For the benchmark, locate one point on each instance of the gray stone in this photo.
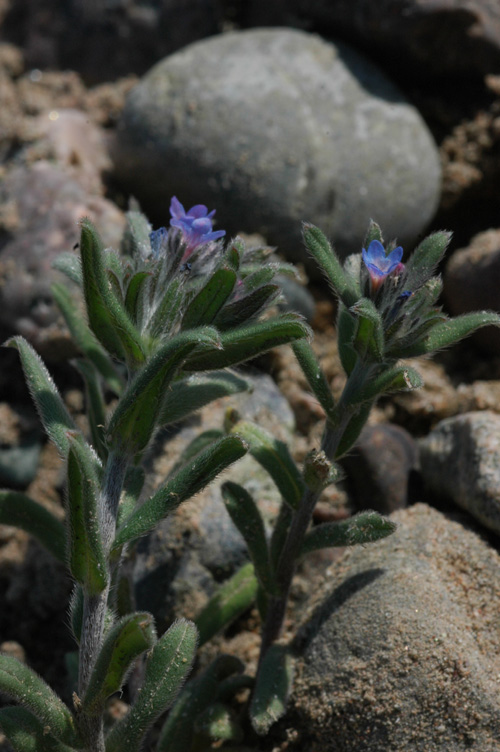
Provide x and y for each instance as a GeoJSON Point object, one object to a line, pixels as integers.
{"type": "Point", "coordinates": [379, 467]}
{"type": "Point", "coordinates": [472, 281]}
{"type": "Point", "coordinates": [46, 202]}
{"type": "Point", "coordinates": [460, 460]}
{"type": "Point", "coordinates": [401, 647]}
{"type": "Point", "coordinates": [273, 127]}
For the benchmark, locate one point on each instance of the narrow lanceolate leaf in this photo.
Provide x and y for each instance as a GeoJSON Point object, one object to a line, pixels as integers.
{"type": "Point", "coordinates": [53, 414]}
{"type": "Point", "coordinates": [449, 332]}
{"type": "Point", "coordinates": [326, 258]}
{"type": "Point", "coordinates": [85, 338]}
{"type": "Point", "coordinates": [132, 294]}
{"type": "Point", "coordinates": [275, 458]}
{"type": "Point", "coordinates": [250, 340]}
{"type": "Point", "coordinates": [132, 489]}
{"type": "Point", "coordinates": [69, 264]}
{"type": "Point", "coordinates": [87, 560]}
{"type": "Point", "coordinates": [136, 417]}
{"type": "Point", "coordinates": [396, 379]}
{"type": "Point", "coordinates": [369, 336]}
{"type": "Point", "coordinates": [272, 689]}
{"type": "Point", "coordinates": [23, 685]}
{"type": "Point", "coordinates": [26, 734]}
{"type": "Point", "coordinates": [346, 329]}
{"type": "Point", "coordinates": [179, 729]}
{"type": "Point", "coordinates": [315, 376]}
{"type": "Point", "coordinates": [20, 511]}
{"type": "Point", "coordinates": [168, 664]}
{"type": "Point", "coordinates": [96, 410]}
{"type": "Point", "coordinates": [426, 257]}
{"type": "Point", "coordinates": [247, 307]}
{"type": "Point", "coordinates": [189, 480]}
{"type": "Point", "coordinates": [108, 318]}
{"type": "Point", "coordinates": [218, 722]}
{"type": "Point", "coordinates": [194, 392]}
{"type": "Point", "coordinates": [124, 642]}
{"type": "Point", "coordinates": [169, 309]}
{"type": "Point", "coordinates": [373, 233]}
{"type": "Point", "coordinates": [364, 527]}
{"type": "Point", "coordinates": [232, 599]}
{"type": "Point", "coordinates": [247, 518]}
{"type": "Point", "coordinates": [207, 303]}
{"type": "Point", "coordinates": [353, 429]}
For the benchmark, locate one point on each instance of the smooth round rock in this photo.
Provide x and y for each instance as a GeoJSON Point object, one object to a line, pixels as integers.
{"type": "Point", "coordinates": [275, 126]}
{"type": "Point", "coordinates": [400, 647]}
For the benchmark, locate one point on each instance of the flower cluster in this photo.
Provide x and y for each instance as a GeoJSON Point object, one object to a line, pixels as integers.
{"type": "Point", "coordinates": [195, 225]}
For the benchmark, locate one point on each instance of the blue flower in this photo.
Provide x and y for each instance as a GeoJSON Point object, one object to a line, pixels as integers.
{"type": "Point", "coordinates": [378, 264]}
{"type": "Point", "coordinates": [195, 225]}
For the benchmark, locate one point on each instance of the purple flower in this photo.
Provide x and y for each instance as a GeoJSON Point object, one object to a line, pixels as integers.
{"type": "Point", "coordinates": [195, 225]}
{"type": "Point", "coordinates": [378, 264]}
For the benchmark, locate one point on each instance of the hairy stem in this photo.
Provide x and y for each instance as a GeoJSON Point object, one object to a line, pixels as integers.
{"type": "Point", "coordinates": [290, 553]}
{"type": "Point", "coordinates": [94, 606]}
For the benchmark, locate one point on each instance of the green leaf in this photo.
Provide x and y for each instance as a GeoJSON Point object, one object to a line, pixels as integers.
{"type": "Point", "coordinates": [85, 339]}
{"type": "Point", "coordinates": [108, 318]}
{"type": "Point", "coordinates": [189, 480]}
{"type": "Point", "coordinates": [391, 380]}
{"type": "Point", "coordinates": [250, 340]}
{"type": "Point", "coordinates": [426, 257]}
{"type": "Point", "coordinates": [96, 410]}
{"type": "Point", "coordinates": [53, 414]}
{"type": "Point", "coordinates": [280, 532]}
{"type": "Point", "coordinates": [168, 664]}
{"type": "Point", "coordinates": [275, 458]}
{"type": "Point", "coordinates": [132, 296]}
{"type": "Point", "coordinates": [69, 264]}
{"type": "Point", "coordinates": [132, 489]}
{"type": "Point", "coordinates": [449, 332]}
{"type": "Point", "coordinates": [20, 511]}
{"type": "Point", "coordinates": [217, 722]}
{"type": "Point", "coordinates": [373, 233]}
{"type": "Point", "coordinates": [179, 729]}
{"type": "Point", "coordinates": [232, 599]}
{"type": "Point", "coordinates": [200, 442]}
{"type": "Point", "coordinates": [315, 376]}
{"type": "Point", "coordinates": [209, 300]}
{"type": "Point", "coordinates": [23, 685]}
{"type": "Point", "coordinates": [369, 336]}
{"type": "Point", "coordinates": [346, 329]}
{"type": "Point", "coordinates": [272, 689]}
{"type": "Point", "coordinates": [194, 392]}
{"type": "Point", "coordinates": [27, 734]}
{"type": "Point", "coordinates": [365, 527]}
{"type": "Point", "coordinates": [136, 417]}
{"type": "Point", "coordinates": [169, 309]}
{"type": "Point", "coordinates": [247, 307]}
{"type": "Point", "coordinates": [135, 242]}
{"type": "Point", "coordinates": [247, 518]}
{"type": "Point", "coordinates": [87, 560]}
{"type": "Point", "coordinates": [326, 258]}
{"type": "Point", "coordinates": [124, 642]}
{"type": "Point", "coordinates": [353, 429]}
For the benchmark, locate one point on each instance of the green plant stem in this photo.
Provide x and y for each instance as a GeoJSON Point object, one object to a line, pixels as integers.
{"type": "Point", "coordinates": [94, 606]}
{"type": "Point", "coordinates": [302, 516]}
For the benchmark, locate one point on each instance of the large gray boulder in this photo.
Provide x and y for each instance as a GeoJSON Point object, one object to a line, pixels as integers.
{"type": "Point", "coordinates": [401, 649]}
{"type": "Point", "coordinates": [276, 126]}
